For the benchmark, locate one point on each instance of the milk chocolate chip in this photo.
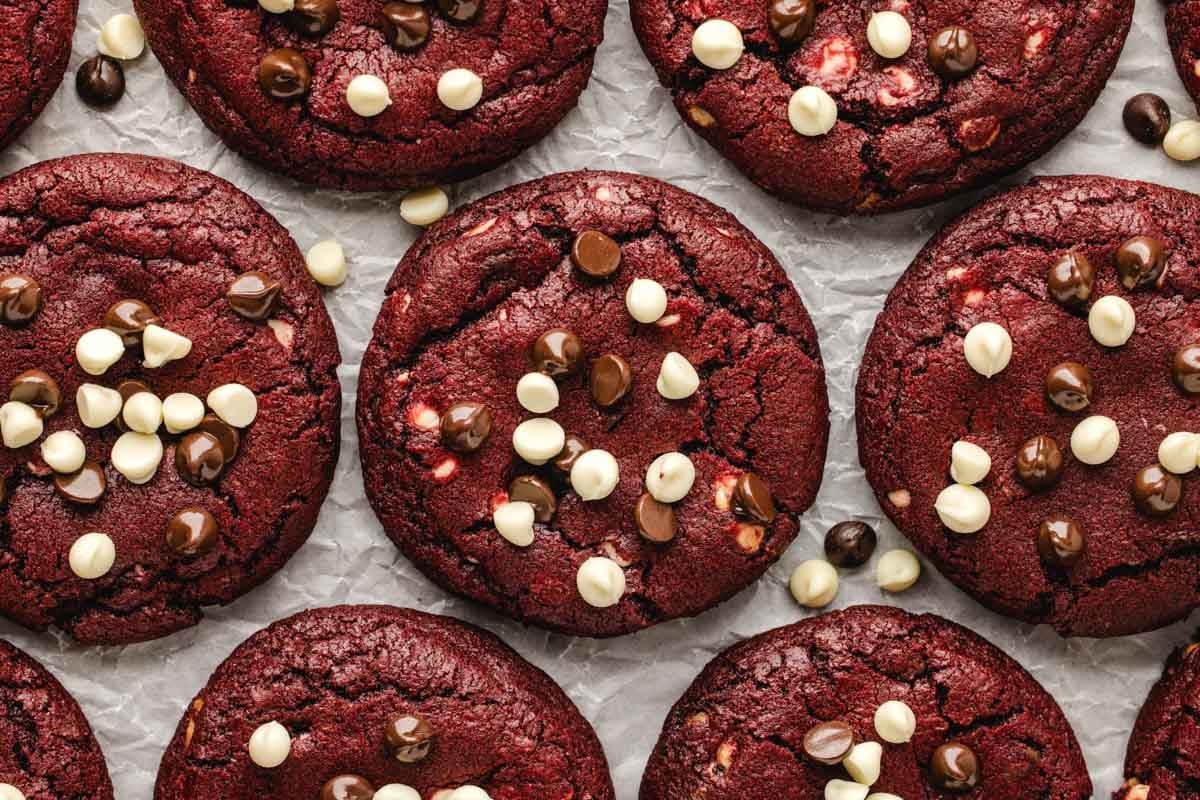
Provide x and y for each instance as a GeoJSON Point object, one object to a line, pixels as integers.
{"type": "Point", "coordinates": [1185, 368]}
{"type": "Point", "coordinates": [1140, 261]}
{"type": "Point", "coordinates": [460, 11]}
{"type": "Point", "coordinates": [1071, 279]}
{"type": "Point", "coordinates": [1157, 492]}
{"type": "Point", "coordinates": [557, 352]}
{"type": "Point", "coordinates": [850, 544]}
{"type": "Point", "coordinates": [128, 318]}
{"type": "Point", "coordinates": [347, 787]}
{"type": "Point", "coordinates": [284, 74]}
{"type": "Point", "coordinates": [410, 738]}
{"type": "Point", "coordinates": [85, 487]}
{"type": "Point", "coordinates": [225, 434]}
{"type": "Point", "coordinates": [752, 498]}
{"type": "Point", "coordinates": [655, 521]}
{"type": "Point", "coordinates": [573, 448]}
{"type": "Point", "coordinates": [199, 458]}
{"type": "Point", "coordinates": [406, 25]}
{"type": "Point", "coordinates": [1069, 386]}
{"type": "Point", "coordinates": [611, 379]}
{"type": "Point", "coordinates": [465, 426]}
{"type": "Point", "coordinates": [953, 52]}
{"type": "Point", "coordinates": [1061, 541]}
{"type": "Point", "coordinates": [1039, 462]}
{"type": "Point", "coordinates": [829, 743]}
{"type": "Point", "coordinates": [254, 295]}
{"type": "Point", "coordinates": [954, 767]}
{"type": "Point", "coordinates": [792, 20]}
{"type": "Point", "coordinates": [20, 299]}
{"type": "Point", "coordinates": [36, 388]}
{"type": "Point", "coordinates": [192, 532]}
{"type": "Point", "coordinates": [536, 492]}
{"type": "Point", "coordinates": [313, 17]}
{"type": "Point", "coordinates": [596, 254]}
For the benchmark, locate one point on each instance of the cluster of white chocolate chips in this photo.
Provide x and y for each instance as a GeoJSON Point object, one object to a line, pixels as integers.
{"type": "Point", "coordinates": [896, 724]}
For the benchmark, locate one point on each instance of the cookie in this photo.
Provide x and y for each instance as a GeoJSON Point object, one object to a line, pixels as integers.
{"type": "Point", "coordinates": [36, 35]}
{"type": "Point", "coordinates": [913, 706]}
{"type": "Point", "coordinates": [1183, 33]}
{"type": "Point", "coordinates": [838, 108]}
{"type": "Point", "coordinates": [530, 444]}
{"type": "Point", "coordinates": [166, 360]}
{"type": "Point", "coordinates": [1039, 490]}
{"type": "Point", "coordinates": [363, 697]}
{"type": "Point", "coordinates": [361, 94]}
{"type": "Point", "coordinates": [47, 750]}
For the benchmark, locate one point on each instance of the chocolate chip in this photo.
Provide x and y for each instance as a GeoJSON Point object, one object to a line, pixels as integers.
{"type": "Point", "coordinates": [829, 743]}
{"type": "Point", "coordinates": [410, 738]}
{"type": "Point", "coordinates": [313, 17]}
{"type": "Point", "coordinates": [225, 434]}
{"type": "Point", "coordinates": [1071, 278]}
{"type": "Point", "coordinates": [128, 388]}
{"type": "Point", "coordinates": [1039, 462]}
{"type": "Point", "coordinates": [1061, 541]}
{"type": "Point", "coordinates": [954, 767]}
{"type": "Point", "coordinates": [792, 20]}
{"type": "Point", "coordinates": [953, 52]}
{"type": "Point", "coordinates": [20, 298]}
{"type": "Point", "coordinates": [35, 388]}
{"type": "Point", "coordinates": [752, 498]}
{"type": "Point", "coordinates": [1185, 368]}
{"type": "Point", "coordinates": [128, 318]}
{"type": "Point", "coordinates": [85, 487]}
{"type": "Point", "coordinates": [1157, 492]}
{"type": "Point", "coordinates": [460, 10]}
{"type": "Point", "coordinates": [596, 254]}
{"type": "Point", "coordinates": [199, 458]}
{"type": "Point", "coordinates": [573, 448]}
{"type": "Point", "coordinates": [611, 379]}
{"type": "Point", "coordinates": [100, 81]}
{"type": "Point", "coordinates": [192, 532]}
{"type": "Point", "coordinates": [1069, 386]}
{"type": "Point", "coordinates": [465, 426]}
{"type": "Point", "coordinates": [1147, 117]}
{"type": "Point", "coordinates": [655, 520]}
{"type": "Point", "coordinates": [1140, 261]}
{"type": "Point", "coordinates": [536, 492]}
{"type": "Point", "coordinates": [254, 295]}
{"type": "Point", "coordinates": [557, 352]}
{"type": "Point", "coordinates": [284, 74]}
{"type": "Point", "coordinates": [347, 787]}
{"type": "Point", "coordinates": [406, 25]}
{"type": "Point", "coordinates": [850, 544]}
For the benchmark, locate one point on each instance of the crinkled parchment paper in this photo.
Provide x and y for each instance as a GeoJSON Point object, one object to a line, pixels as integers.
{"type": "Point", "coordinates": [843, 269]}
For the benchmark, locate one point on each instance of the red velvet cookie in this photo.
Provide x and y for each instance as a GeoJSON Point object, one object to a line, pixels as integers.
{"type": "Point", "coordinates": [698, 435]}
{"type": "Point", "coordinates": [1183, 32]}
{"type": "Point", "coordinates": [47, 750]}
{"type": "Point", "coordinates": [35, 35]}
{"type": "Point", "coordinates": [209, 499]}
{"type": "Point", "coordinates": [924, 709]}
{"type": "Point", "coordinates": [275, 86]}
{"type": "Point", "coordinates": [337, 703]}
{"type": "Point", "coordinates": [1163, 750]}
{"type": "Point", "coordinates": [982, 89]}
{"type": "Point", "coordinates": [1075, 523]}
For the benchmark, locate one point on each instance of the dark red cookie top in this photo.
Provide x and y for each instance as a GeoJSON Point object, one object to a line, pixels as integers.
{"type": "Point", "coordinates": [739, 729]}
{"type": "Point", "coordinates": [338, 679]}
{"type": "Point", "coordinates": [35, 36]}
{"type": "Point", "coordinates": [906, 135]}
{"type": "Point", "coordinates": [93, 230]}
{"type": "Point", "coordinates": [1164, 749]}
{"type": "Point", "coordinates": [1183, 32]}
{"type": "Point", "coordinates": [534, 58]}
{"type": "Point", "coordinates": [463, 310]}
{"type": "Point", "coordinates": [47, 750]}
{"type": "Point", "coordinates": [917, 396]}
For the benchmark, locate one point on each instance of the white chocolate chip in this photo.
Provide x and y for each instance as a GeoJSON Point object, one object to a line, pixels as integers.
{"type": "Point", "coordinates": [98, 349]}
{"type": "Point", "coordinates": [537, 393]}
{"type": "Point", "coordinates": [469, 793]}
{"type": "Point", "coordinates": [838, 789]}
{"type": "Point", "coordinates": [814, 583]}
{"type": "Point", "coordinates": [646, 300]}
{"type": "Point", "coordinates": [424, 206]}
{"type": "Point", "coordinates": [889, 34]}
{"type": "Point", "coordinates": [143, 413]}
{"type": "Point", "coordinates": [277, 6]}
{"type": "Point", "coordinates": [897, 571]}
{"type": "Point", "coordinates": [459, 89]}
{"type": "Point", "coordinates": [601, 582]}
{"type": "Point", "coordinates": [64, 452]}
{"type": "Point", "coordinates": [538, 440]}
{"type": "Point", "coordinates": [122, 37]}
{"type": "Point", "coordinates": [137, 456]}
{"type": "Point", "coordinates": [969, 463]}
{"type": "Point", "coordinates": [677, 378]}
{"type": "Point", "coordinates": [865, 762]}
{"type": "Point", "coordinates": [514, 521]}
{"type": "Point", "coordinates": [326, 262]}
{"type": "Point", "coordinates": [270, 745]}
{"type": "Point", "coordinates": [717, 43]}
{"type": "Point", "coordinates": [595, 475]}
{"type": "Point", "coordinates": [895, 722]}
{"type": "Point", "coordinates": [396, 791]}
{"type": "Point", "coordinates": [20, 424]}
{"type": "Point", "coordinates": [160, 345]}
{"type": "Point", "coordinates": [1111, 320]}
{"type": "Point", "coordinates": [988, 348]}
{"type": "Point", "coordinates": [98, 405]}
{"type": "Point", "coordinates": [811, 111]}
{"type": "Point", "coordinates": [234, 403]}
{"type": "Point", "coordinates": [963, 509]}
{"type": "Point", "coordinates": [92, 556]}
{"type": "Point", "coordinates": [182, 411]}
{"type": "Point", "coordinates": [10, 792]}
{"type": "Point", "coordinates": [1095, 440]}
{"type": "Point", "coordinates": [368, 95]}
{"type": "Point", "coordinates": [670, 477]}
{"type": "Point", "coordinates": [1180, 452]}
{"type": "Point", "coordinates": [1182, 141]}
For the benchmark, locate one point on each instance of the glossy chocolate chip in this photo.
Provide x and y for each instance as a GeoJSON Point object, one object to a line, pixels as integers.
{"type": "Point", "coordinates": [557, 352]}
{"type": "Point", "coordinates": [409, 737]}
{"type": "Point", "coordinates": [254, 295]}
{"type": "Point", "coordinates": [313, 17]}
{"type": "Point", "coordinates": [954, 767]}
{"type": "Point", "coordinates": [850, 544]}
{"type": "Point", "coordinates": [347, 787]}
{"type": "Point", "coordinates": [224, 433]}
{"type": "Point", "coordinates": [953, 52]}
{"type": "Point", "coordinates": [85, 487]}
{"type": "Point", "coordinates": [611, 379]}
{"type": "Point", "coordinates": [465, 426]}
{"type": "Point", "coordinates": [100, 81]}
{"type": "Point", "coordinates": [1039, 463]}
{"type": "Point", "coordinates": [829, 743]}
{"type": "Point", "coordinates": [1147, 117]}
{"type": "Point", "coordinates": [752, 498]}
{"type": "Point", "coordinates": [128, 318]}
{"type": "Point", "coordinates": [128, 388]}
{"type": "Point", "coordinates": [192, 532]}
{"type": "Point", "coordinates": [1140, 261]}
{"type": "Point", "coordinates": [573, 448]}
{"type": "Point", "coordinates": [1185, 368]}
{"type": "Point", "coordinates": [1156, 491]}
{"type": "Point", "coordinates": [792, 20]}
{"type": "Point", "coordinates": [35, 388]}
{"type": "Point", "coordinates": [460, 11]}
{"type": "Point", "coordinates": [1070, 279]}
{"type": "Point", "coordinates": [199, 458]}
{"type": "Point", "coordinates": [596, 254]}
{"type": "Point", "coordinates": [284, 74]}
{"type": "Point", "coordinates": [20, 299]}
{"type": "Point", "coordinates": [1061, 541]}
{"type": "Point", "coordinates": [1069, 386]}
{"type": "Point", "coordinates": [656, 521]}
{"type": "Point", "coordinates": [535, 491]}
{"type": "Point", "coordinates": [406, 25]}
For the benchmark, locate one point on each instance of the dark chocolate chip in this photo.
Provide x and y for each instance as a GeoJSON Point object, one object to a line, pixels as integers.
{"type": "Point", "coordinates": [85, 487]}
{"type": "Point", "coordinates": [1039, 462]}
{"type": "Point", "coordinates": [1185, 368]}
{"type": "Point", "coordinates": [1140, 261]}
{"type": "Point", "coordinates": [20, 298]}
{"type": "Point", "coordinates": [655, 520]}
{"type": "Point", "coordinates": [1156, 491]}
{"type": "Point", "coordinates": [829, 742]}
{"type": "Point", "coordinates": [1069, 386]}
{"type": "Point", "coordinates": [347, 787]}
{"type": "Point", "coordinates": [611, 379]}
{"type": "Point", "coordinates": [465, 426]}
{"type": "Point", "coordinates": [557, 352]}
{"type": "Point", "coordinates": [192, 532]}
{"type": "Point", "coordinates": [199, 458]}
{"type": "Point", "coordinates": [128, 318]}
{"type": "Point", "coordinates": [535, 491]}
{"type": "Point", "coordinates": [284, 74]}
{"type": "Point", "coordinates": [1071, 278]}
{"type": "Point", "coordinates": [224, 433]}
{"type": "Point", "coordinates": [954, 767]}
{"type": "Point", "coordinates": [1061, 541]}
{"type": "Point", "coordinates": [850, 544]}
{"type": "Point", "coordinates": [35, 388]}
{"type": "Point", "coordinates": [1147, 117]}
{"type": "Point", "coordinates": [596, 254]}
{"type": "Point", "coordinates": [313, 17]}
{"type": "Point", "coordinates": [100, 81]}
{"type": "Point", "coordinates": [254, 295]}
{"type": "Point", "coordinates": [792, 20]}
{"type": "Point", "coordinates": [460, 11]}
{"type": "Point", "coordinates": [409, 737]}
{"type": "Point", "coordinates": [953, 53]}
{"type": "Point", "coordinates": [752, 498]}
{"type": "Point", "coordinates": [406, 25]}
{"type": "Point", "coordinates": [573, 448]}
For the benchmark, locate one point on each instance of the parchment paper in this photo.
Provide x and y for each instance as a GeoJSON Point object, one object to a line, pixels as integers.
{"type": "Point", "coordinates": [843, 269]}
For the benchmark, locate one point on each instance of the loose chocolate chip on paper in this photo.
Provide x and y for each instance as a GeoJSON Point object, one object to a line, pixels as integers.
{"type": "Point", "coordinates": [100, 81]}
{"type": "Point", "coordinates": [1147, 117]}
{"type": "Point", "coordinates": [850, 544]}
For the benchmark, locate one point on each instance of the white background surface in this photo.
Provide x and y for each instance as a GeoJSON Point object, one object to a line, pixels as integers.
{"type": "Point", "coordinates": [843, 269]}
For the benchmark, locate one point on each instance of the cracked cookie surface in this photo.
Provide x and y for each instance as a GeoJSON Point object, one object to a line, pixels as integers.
{"type": "Point", "coordinates": [334, 677]}
{"type": "Point", "coordinates": [462, 311]}
{"type": "Point", "coordinates": [92, 230]}
{"type": "Point", "coordinates": [35, 35]}
{"type": "Point", "coordinates": [534, 57]}
{"type": "Point", "coordinates": [917, 396]}
{"type": "Point", "coordinates": [1164, 748]}
{"type": "Point", "coordinates": [906, 136]}
{"type": "Point", "coordinates": [738, 731]}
